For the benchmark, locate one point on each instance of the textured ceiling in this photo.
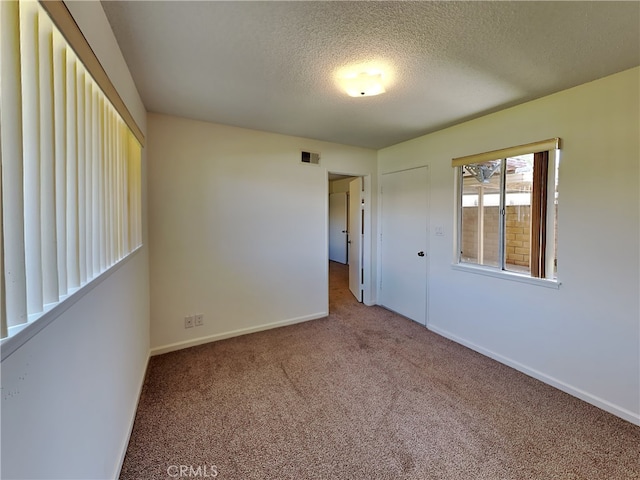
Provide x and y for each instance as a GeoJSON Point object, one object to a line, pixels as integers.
{"type": "Point", "coordinates": [271, 65]}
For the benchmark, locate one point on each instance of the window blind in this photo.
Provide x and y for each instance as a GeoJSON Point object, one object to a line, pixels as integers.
{"type": "Point", "coordinates": [544, 145]}
{"type": "Point", "coordinates": [70, 170]}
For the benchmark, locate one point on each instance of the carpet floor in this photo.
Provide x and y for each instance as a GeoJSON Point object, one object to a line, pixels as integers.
{"type": "Point", "coordinates": [364, 394]}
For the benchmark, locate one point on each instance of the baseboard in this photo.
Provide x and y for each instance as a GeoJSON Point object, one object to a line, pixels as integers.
{"type": "Point", "coordinates": [234, 333]}
{"type": "Point", "coordinates": [554, 382]}
{"type": "Point", "coordinates": [132, 420]}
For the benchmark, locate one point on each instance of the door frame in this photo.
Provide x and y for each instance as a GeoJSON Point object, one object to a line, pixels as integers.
{"type": "Point", "coordinates": [369, 290]}
{"type": "Point", "coordinates": [428, 237]}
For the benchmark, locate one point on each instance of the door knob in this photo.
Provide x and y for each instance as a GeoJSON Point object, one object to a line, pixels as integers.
{"type": "Point", "coordinates": [421, 254]}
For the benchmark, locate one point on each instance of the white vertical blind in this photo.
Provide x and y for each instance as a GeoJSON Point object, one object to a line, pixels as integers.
{"type": "Point", "coordinates": [107, 187]}
{"type": "Point", "coordinates": [31, 151]}
{"type": "Point", "coordinates": [101, 185]}
{"type": "Point", "coordinates": [60, 120]}
{"type": "Point", "coordinates": [135, 192]}
{"type": "Point", "coordinates": [49, 253]}
{"type": "Point", "coordinates": [95, 179]}
{"type": "Point", "coordinates": [3, 304]}
{"type": "Point", "coordinates": [122, 189]}
{"type": "Point", "coordinates": [69, 170]}
{"type": "Point", "coordinates": [15, 300]}
{"type": "Point", "coordinates": [124, 184]}
{"type": "Point", "coordinates": [80, 182]}
{"type": "Point", "coordinates": [73, 273]}
{"type": "Point", "coordinates": [88, 197]}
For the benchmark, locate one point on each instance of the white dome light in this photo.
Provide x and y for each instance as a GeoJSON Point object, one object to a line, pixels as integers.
{"type": "Point", "coordinates": [365, 84]}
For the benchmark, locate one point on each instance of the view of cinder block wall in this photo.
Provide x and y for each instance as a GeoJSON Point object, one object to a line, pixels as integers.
{"type": "Point", "coordinates": [517, 234]}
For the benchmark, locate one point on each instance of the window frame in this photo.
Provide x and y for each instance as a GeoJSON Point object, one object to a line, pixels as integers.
{"type": "Point", "coordinates": [552, 146]}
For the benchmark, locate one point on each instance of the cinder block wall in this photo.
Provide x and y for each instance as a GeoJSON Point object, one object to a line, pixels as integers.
{"type": "Point", "coordinates": [518, 234]}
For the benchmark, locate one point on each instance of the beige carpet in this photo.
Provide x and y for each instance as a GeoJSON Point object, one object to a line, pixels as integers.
{"type": "Point", "coordinates": [364, 394]}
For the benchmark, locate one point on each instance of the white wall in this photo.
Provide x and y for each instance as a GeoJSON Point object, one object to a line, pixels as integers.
{"type": "Point", "coordinates": [69, 394]}
{"type": "Point", "coordinates": [238, 228]}
{"type": "Point", "coordinates": [584, 337]}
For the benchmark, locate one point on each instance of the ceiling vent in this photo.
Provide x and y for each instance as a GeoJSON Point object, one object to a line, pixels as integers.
{"type": "Point", "coordinates": [310, 157]}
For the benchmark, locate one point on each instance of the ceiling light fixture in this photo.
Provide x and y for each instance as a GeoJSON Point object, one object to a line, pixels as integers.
{"type": "Point", "coordinates": [364, 84]}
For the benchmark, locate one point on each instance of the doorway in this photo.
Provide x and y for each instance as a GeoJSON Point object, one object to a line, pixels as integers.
{"type": "Point", "coordinates": [348, 231]}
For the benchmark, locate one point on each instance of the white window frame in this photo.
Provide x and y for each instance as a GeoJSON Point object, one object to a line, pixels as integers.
{"type": "Point", "coordinates": [552, 146]}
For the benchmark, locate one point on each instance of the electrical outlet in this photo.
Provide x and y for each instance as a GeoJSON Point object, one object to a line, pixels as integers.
{"type": "Point", "coordinates": [199, 320]}
{"type": "Point", "coordinates": [188, 322]}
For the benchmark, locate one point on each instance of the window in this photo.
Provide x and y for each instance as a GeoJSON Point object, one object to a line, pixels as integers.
{"type": "Point", "coordinates": [69, 169]}
{"type": "Point", "coordinates": [507, 210]}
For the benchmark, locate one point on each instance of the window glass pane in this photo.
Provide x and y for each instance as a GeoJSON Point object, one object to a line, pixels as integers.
{"type": "Point", "coordinates": [480, 213]}
{"type": "Point", "coordinates": [518, 188]}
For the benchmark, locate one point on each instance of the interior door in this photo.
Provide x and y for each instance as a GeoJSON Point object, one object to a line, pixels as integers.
{"type": "Point", "coordinates": [405, 216]}
{"type": "Point", "coordinates": [355, 237]}
{"type": "Point", "coordinates": [338, 227]}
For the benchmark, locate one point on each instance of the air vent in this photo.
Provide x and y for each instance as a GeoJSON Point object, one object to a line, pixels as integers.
{"type": "Point", "coordinates": [310, 157]}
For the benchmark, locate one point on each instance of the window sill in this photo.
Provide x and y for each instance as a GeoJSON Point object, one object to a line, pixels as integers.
{"type": "Point", "coordinates": [515, 277]}
{"type": "Point", "coordinates": [21, 334]}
